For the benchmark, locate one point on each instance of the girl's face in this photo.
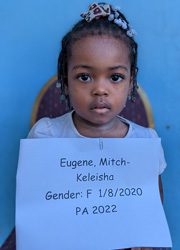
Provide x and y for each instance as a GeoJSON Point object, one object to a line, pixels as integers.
{"type": "Point", "coordinates": [99, 81]}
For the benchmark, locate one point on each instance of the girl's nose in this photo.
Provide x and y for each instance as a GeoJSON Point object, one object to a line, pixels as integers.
{"type": "Point", "coordinates": [100, 88]}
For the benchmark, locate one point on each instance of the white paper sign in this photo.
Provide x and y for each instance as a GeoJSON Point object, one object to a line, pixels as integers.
{"type": "Point", "coordinates": [89, 194]}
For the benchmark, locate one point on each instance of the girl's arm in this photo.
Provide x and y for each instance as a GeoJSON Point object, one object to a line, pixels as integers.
{"type": "Point", "coordinates": [161, 188]}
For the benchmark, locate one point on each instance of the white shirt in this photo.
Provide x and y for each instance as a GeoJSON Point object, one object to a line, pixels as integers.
{"type": "Point", "coordinates": [63, 127]}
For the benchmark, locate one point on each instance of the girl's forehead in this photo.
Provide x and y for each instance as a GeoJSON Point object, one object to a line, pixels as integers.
{"type": "Point", "coordinates": [93, 47]}
{"type": "Point", "coordinates": [99, 50]}
{"type": "Point", "coordinates": [99, 42]}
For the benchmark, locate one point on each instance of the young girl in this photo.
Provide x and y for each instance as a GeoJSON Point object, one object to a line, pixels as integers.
{"type": "Point", "coordinates": [97, 70]}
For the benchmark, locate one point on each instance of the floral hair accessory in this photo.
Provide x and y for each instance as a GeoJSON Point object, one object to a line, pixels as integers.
{"type": "Point", "coordinates": [113, 13]}
{"type": "Point", "coordinates": [95, 11]}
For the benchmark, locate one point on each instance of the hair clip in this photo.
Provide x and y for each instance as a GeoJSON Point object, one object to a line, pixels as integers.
{"type": "Point", "coordinates": [58, 85]}
{"type": "Point", "coordinates": [111, 17]}
{"type": "Point", "coordinates": [116, 8]}
{"type": "Point", "coordinates": [95, 11]}
{"type": "Point", "coordinates": [113, 13]}
{"type": "Point", "coordinates": [131, 32]}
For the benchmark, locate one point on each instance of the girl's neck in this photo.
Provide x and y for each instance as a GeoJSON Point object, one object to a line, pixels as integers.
{"type": "Point", "coordinates": [114, 129]}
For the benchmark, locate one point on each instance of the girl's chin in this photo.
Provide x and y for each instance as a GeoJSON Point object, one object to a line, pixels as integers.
{"type": "Point", "coordinates": [97, 118]}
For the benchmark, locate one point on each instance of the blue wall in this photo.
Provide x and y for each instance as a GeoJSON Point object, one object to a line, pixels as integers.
{"type": "Point", "coordinates": [30, 39]}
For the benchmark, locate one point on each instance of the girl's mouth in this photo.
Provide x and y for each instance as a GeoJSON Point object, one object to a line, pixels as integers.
{"type": "Point", "coordinates": [100, 108]}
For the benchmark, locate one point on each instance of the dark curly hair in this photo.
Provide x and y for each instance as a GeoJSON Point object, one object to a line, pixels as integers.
{"type": "Point", "coordinates": [97, 27]}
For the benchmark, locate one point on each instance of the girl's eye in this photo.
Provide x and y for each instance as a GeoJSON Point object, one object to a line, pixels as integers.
{"type": "Point", "coordinates": [116, 78]}
{"type": "Point", "coordinates": [84, 78]}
